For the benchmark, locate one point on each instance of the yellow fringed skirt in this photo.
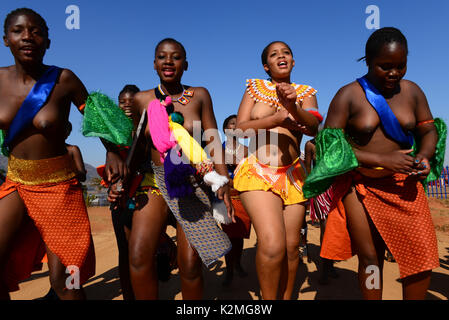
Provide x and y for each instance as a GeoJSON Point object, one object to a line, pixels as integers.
{"type": "Point", "coordinates": [285, 181]}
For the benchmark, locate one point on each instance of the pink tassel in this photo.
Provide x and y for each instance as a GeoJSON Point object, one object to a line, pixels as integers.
{"type": "Point", "coordinates": [158, 126]}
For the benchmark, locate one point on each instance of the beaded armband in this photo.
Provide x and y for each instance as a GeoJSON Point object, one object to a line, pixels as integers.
{"type": "Point", "coordinates": [425, 122]}
{"type": "Point", "coordinates": [315, 113]}
{"type": "Point", "coordinates": [204, 167]}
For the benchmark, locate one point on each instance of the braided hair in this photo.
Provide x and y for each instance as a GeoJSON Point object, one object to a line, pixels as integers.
{"type": "Point", "coordinates": [381, 37]}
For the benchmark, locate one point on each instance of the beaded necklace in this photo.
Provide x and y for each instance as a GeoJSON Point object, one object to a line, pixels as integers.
{"type": "Point", "coordinates": [183, 99]}
{"type": "Point", "coordinates": [265, 91]}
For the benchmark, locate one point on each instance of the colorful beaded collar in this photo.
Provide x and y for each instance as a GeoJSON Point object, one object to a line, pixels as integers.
{"type": "Point", "coordinates": [183, 99]}
{"type": "Point", "coordinates": [265, 91]}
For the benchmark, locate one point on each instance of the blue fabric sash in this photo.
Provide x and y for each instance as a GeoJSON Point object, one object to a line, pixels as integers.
{"type": "Point", "coordinates": [35, 100]}
{"type": "Point", "coordinates": [389, 121]}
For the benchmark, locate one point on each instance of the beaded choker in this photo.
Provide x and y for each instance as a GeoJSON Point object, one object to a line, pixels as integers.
{"type": "Point", "coordinates": [265, 91]}
{"type": "Point", "coordinates": [183, 99]}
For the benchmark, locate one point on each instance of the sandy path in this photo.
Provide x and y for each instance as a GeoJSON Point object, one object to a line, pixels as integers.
{"type": "Point", "coordinates": [105, 284]}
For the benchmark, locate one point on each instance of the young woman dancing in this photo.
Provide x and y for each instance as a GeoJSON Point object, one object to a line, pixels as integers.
{"type": "Point", "coordinates": [378, 145]}
{"type": "Point", "coordinates": [198, 236]}
{"type": "Point", "coordinates": [41, 203]}
{"type": "Point", "coordinates": [274, 114]}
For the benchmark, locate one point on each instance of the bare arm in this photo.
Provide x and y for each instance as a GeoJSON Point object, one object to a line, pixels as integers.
{"type": "Point", "coordinates": [115, 167]}
{"type": "Point", "coordinates": [249, 127]}
{"type": "Point", "coordinates": [427, 131]}
{"type": "Point", "coordinates": [213, 141]}
{"type": "Point", "coordinates": [288, 97]}
{"type": "Point", "coordinates": [77, 90]}
{"type": "Point", "coordinates": [77, 157]}
{"type": "Point", "coordinates": [211, 135]}
{"type": "Point", "coordinates": [309, 150]}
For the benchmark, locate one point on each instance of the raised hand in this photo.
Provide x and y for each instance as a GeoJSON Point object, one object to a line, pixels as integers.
{"type": "Point", "coordinates": [287, 95]}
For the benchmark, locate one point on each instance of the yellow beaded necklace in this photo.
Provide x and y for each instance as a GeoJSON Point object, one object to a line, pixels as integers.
{"type": "Point", "coordinates": [265, 91]}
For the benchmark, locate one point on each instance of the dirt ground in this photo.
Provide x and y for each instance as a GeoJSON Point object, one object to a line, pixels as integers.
{"type": "Point", "coordinates": [105, 284]}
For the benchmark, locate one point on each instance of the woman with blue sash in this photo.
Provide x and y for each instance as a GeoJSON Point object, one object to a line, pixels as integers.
{"type": "Point", "coordinates": [42, 209]}
{"type": "Point", "coordinates": [379, 145]}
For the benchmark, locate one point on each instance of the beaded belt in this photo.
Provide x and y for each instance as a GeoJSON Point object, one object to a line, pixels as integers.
{"type": "Point", "coordinates": [41, 171]}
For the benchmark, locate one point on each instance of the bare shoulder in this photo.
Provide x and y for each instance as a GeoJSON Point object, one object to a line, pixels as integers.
{"type": "Point", "coordinates": [70, 80]}
{"type": "Point", "coordinates": [409, 84]}
{"type": "Point", "coordinates": [5, 72]}
{"type": "Point", "coordinates": [142, 98]}
{"type": "Point", "coordinates": [349, 90]}
{"type": "Point", "coordinates": [200, 91]}
{"type": "Point", "coordinates": [411, 88]}
{"type": "Point", "coordinates": [202, 95]}
{"type": "Point", "coordinates": [68, 76]}
{"type": "Point", "coordinates": [347, 95]}
{"type": "Point", "coordinates": [72, 148]}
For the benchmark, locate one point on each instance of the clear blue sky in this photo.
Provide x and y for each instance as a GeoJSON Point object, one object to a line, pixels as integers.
{"type": "Point", "coordinates": [224, 39]}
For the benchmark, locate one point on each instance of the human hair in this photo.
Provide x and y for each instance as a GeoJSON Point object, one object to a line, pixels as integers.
{"type": "Point", "coordinates": [226, 121]}
{"type": "Point", "coordinates": [264, 55]}
{"type": "Point", "coordinates": [129, 88]}
{"type": "Point", "coordinates": [24, 11]}
{"type": "Point", "coordinates": [381, 37]}
{"type": "Point", "coordinates": [171, 40]}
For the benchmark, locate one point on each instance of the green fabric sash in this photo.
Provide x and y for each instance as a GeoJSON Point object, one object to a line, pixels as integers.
{"type": "Point", "coordinates": [437, 161]}
{"type": "Point", "coordinates": [104, 119]}
{"type": "Point", "coordinates": [334, 157]}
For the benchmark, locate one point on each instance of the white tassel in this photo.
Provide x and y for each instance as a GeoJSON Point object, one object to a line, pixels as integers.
{"type": "Point", "coordinates": [220, 212]}
{"type": "Point", "coordinates": [215, 180]}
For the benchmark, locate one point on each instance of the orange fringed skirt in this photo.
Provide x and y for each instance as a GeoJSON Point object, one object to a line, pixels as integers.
{"type": "Point", "coordinates": [285, 181]}
{"type": "Point", "coordinates": [56, 218]}
{"type": "Point", "coordinates": [398, 207]}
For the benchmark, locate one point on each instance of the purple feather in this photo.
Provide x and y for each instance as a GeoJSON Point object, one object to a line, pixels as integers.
{"type": "Point", "coordinates": [176, 176]}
